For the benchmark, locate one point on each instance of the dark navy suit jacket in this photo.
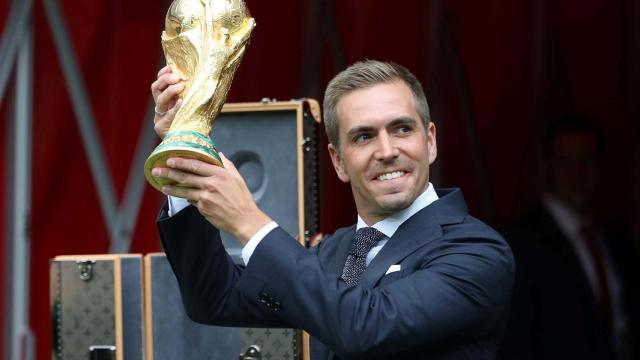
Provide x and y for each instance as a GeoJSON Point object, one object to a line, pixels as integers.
{"type": "Point", "coordinates": [449, 300]}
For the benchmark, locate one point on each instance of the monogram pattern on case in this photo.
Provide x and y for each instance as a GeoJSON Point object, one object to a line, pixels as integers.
{"type": "Point", "coordinates": [87, 309]}
{"type": "Point", "coordinates": [275, 344]}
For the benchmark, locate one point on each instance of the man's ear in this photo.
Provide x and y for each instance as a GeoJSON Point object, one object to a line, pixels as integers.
{"type": "Point", "coordinates": [336, 159]}
{"type": "Point", "coordinates": [431, 142]}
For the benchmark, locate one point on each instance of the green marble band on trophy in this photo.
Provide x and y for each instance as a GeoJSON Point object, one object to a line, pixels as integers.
{"type": "Point", "coordinates": [203, 42]}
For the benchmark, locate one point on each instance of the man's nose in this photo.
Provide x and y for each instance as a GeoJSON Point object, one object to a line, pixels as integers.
{"type": "Point", "coordinates": [387, 149]}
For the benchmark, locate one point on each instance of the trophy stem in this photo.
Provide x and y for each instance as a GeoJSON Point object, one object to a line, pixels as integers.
{"type": "Point", "coordinates": [184, 144]}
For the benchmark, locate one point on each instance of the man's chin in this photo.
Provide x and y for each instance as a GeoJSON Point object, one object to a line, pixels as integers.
{"type": "Point", "coordinates": [394, 202]}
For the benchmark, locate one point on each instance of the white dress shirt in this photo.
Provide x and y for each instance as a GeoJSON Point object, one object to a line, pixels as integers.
{"type": "Point", "coordinates": [176, 204]}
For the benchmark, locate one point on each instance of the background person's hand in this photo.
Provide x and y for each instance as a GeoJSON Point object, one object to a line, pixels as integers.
{"type": "Point", "coordinates": [316, 239]}
{"type": "Point", "coordinates": [166, 90]}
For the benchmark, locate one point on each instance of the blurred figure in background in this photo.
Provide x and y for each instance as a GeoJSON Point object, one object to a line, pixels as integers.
{"type": "Point", "coordinates": [574, 292]}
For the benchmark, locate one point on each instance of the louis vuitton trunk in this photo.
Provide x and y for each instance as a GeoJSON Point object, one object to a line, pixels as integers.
{"type": "Point", "coordinates": [96, 307]}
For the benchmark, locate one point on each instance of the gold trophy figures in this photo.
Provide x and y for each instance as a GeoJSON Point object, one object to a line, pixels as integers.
{"type": "Point", "coordinates": [203, 42]}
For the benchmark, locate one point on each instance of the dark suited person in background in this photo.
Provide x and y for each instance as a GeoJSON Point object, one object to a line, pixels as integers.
{"type": "Point", "coordinates": [574, 291]}
{"type": "Point", "coordinates": [415, 278]}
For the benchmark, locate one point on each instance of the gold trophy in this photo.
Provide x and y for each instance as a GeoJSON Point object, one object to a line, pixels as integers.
{"type": "Point", "coordinates": [203, 42]}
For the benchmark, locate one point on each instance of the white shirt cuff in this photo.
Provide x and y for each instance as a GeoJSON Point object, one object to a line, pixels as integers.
{"type": "Point", "coordinates": [176, 204]}
{"type": "Point", "coordinates": [248, 249]}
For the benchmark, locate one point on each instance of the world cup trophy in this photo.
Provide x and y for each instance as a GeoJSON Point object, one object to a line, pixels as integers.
{"type": "Point", "coordinates": [203, 43]}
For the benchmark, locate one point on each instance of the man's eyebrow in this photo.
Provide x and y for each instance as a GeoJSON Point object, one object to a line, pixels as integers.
{"type": "Point", "coordinates": [358, 130]}
{"type": "Point", "coordinates": [404, 120]}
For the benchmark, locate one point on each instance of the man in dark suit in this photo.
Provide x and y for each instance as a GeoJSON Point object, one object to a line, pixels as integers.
{"type": "Point", "coordinates": [415, 278]}
{"type": "Point", "coordinates": [575, 281]}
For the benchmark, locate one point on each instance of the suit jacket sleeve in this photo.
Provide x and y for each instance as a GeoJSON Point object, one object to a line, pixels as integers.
{"type": "Point", "coordinates": [206, 275]}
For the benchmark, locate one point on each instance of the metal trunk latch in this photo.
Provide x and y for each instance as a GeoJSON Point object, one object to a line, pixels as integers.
{"type": "Point", "coordinates": [86, 269]}
{"type": "Point", "coordinates": [252, 353]}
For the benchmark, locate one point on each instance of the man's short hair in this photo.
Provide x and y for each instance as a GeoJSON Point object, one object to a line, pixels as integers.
{"type": "Point", "coordinates": [362, 75]}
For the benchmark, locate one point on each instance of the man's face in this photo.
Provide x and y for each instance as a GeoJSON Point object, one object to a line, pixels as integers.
{"type": "Point", "coordinates": [574, 168]}
{"type": "Point", "coordinates": [385, 151]}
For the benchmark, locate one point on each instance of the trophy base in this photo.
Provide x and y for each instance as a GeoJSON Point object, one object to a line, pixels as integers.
{"type": "Point", "coordinates": [174, 146]}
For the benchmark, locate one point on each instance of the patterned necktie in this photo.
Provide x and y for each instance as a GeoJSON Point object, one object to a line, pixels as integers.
{"type": "Point", "coordinates": [365, 239]}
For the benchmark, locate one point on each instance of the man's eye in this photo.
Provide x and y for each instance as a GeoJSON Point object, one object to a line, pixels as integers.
{"type": "Point", "coordinates": [361, 138]}
{"type": "Point", "coordinates": [404, 129]}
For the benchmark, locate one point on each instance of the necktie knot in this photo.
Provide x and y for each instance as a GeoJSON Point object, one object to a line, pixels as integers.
{"type": "Point", "coordinates": [363, 241]}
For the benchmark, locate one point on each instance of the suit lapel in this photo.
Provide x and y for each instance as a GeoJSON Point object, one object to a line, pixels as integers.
{"type": "Point", "coordinates": [415, 232]}
{"type": "Point", "coordinates": [338, 256]}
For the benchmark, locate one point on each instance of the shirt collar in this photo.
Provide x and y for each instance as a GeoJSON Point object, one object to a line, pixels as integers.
{"type": "Point", "coordinates": [389, 225]}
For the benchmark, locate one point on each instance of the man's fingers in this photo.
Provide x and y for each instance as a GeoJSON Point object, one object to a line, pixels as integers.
{"type": "Point", "coordinates": [159, 85]}
{"type": "Point", "coordinates": [164, 98]}
{"type": "Point", "coordinates": [163, 83]}
{"type": "Point", "coordinates": [164, 70]}
{"type": "Point", "coordinates": [189, 194]}
{"type": "Point", "coordinates": [174, 109]}
{"type": "Point", "coordinates": [193, 166]}
{"type": "Point", "coordinates": [182, 178]}
{"type": "Point", "coordinates": [228, 164]}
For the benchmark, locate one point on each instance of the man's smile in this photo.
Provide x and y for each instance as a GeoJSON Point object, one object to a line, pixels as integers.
{"type": "Point", "coordinates": [390, 175]}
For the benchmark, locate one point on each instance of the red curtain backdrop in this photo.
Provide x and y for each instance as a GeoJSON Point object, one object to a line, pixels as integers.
{"type": "Point", "coordinates": [503, 67]}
